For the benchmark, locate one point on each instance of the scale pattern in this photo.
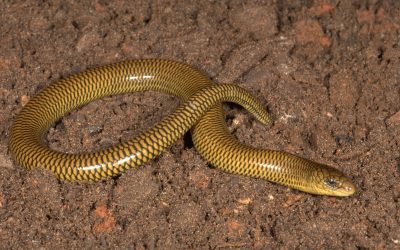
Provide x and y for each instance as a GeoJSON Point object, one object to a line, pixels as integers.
{"type": "Point", "coordinates": [200, 110]}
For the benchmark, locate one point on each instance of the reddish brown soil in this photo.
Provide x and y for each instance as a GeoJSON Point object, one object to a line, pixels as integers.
{"type": "Point", "coordinates": [329, 72]}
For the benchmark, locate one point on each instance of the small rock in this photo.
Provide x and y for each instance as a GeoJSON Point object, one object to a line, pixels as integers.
{"type": "Point", "coordinates": [199, 179]}
{"type": "Point", "coordinates": [108, 221]}
{"type": "Point", "coordinates": [2, 200]}
{"type": "Point", "coordinates": [323, 8]}
{"type": "Point", "coordinates": [94, 129]}
{"type": "Point", "coordinates": [291, 200]}
{"type": "Point", "coordinates": [245, 201]}
{"type": "Point", "coordinates": [24, 100]}
{"type": "Point", "coordinates": [98, 7]}
{"type": "Point", "coordinates": [394, 119]}
{"type": "Point", "coordinates": [325, 41]}
{"type": "Point", "coordinates": [235, 228]}
{"type": "Point", "coordinates": [106, 226]}
{"type": "Point", "coordinates": [102, 212]}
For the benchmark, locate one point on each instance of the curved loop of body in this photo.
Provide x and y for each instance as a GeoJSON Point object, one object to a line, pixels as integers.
{"type": "Point", "coordinates": [201, 109]}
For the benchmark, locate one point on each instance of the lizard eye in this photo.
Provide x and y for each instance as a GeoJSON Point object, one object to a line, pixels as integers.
{"type": "Point", "coordinates": [331, 182]}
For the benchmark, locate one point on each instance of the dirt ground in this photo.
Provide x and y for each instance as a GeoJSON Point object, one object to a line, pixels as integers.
{"type": "Point", "coordinates": [328, 71]}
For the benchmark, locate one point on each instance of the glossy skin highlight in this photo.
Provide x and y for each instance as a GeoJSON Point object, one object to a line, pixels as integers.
{"type": "Point", "coordinates": [200, 110]}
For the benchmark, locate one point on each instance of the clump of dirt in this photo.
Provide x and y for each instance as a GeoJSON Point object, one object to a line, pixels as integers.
{"type": "Point", "coordinates": [329, 72]}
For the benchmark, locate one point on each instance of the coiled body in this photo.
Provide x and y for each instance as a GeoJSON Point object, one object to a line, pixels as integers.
{"type": "Point", "coordinates": [200, 109]}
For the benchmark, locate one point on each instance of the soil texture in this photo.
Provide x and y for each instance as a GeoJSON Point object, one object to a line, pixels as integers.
{"type": "Point", "coordinates": [328, 71]}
